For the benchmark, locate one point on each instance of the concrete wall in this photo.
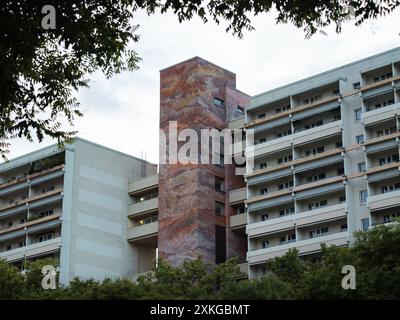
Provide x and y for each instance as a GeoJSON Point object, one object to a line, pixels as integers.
{"type": "Point", "coordinates": [94, 221]}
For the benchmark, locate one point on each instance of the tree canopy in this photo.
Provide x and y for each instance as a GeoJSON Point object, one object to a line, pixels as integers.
{"type": "Point", "coordinates": [375, 257]}
{"type": "Point", "coordinates": [41, 70]}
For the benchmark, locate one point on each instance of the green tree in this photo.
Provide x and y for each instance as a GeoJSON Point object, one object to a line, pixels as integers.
{"type": "Point", "coordinates": [41, 70]}
{"type": "Point", "coordinates": [11, 282]}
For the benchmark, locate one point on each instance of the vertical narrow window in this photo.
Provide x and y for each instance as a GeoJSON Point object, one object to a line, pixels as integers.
{"type": "Point", "coordinates": [365, 224]}
{"type": "Point", "coordinates": [357, 114]}
{"type": "Point", "coordinates": [219, 184]}
{"type": "Point", "coordinates": [220, 244]}
{"type": "Point", "coordinates": [361, 167]}
{"type": "Point", "coordinates": [219, 208]}
{"type": "Point", "coordinates": [363, 196]}
{"type": "Point", "coordinates": [360, 139]}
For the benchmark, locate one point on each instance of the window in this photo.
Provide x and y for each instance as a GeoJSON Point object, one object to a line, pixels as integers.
{"type": "Point", "coordinates": [240, 210]}
{"type": "Point", "coordinates": [219, 102]}
{"type": "Point", "coordinates": [386, 131]}
{"type": "Point", "coordinates": [10, 224]}
{"type": "Point", "coordinates": [335, 92]}
{"type": "Point", "coordinates": [286, 212]}
{"type": "Point", "coordinates": [219, 184]}
{"type": "Point", "coordinates": [49, 189]}
{"type": "Point", "coordinates": [240, 109]}
{"type": "Point", "coordinates": [279, 110]}
{"type": "Point", "coordinates": [315, 151]}
{"type": "Point", "coordinates": [284, 133]}
{"type": "Point", "coordinates": [263, 165]}
{"type": "Point", "coordinates": [285, 159]}
{"type": "Point", "coordinates": [262, 140]}
{"type": "Point", "coordinates": [285, 185]}
{"type": "Point", "coordinates": [288, 238]}
{"type": "Point", "coordinates": [318, 232]}
{"type": "Point", "coordinates": [220, 244]}
{"type": "Point", "coordinates": [22, 220]}
{"type": "Point", "coordinates": [45, 237]}
{"type": "Point", "coordinates": [392, 158]}
{"type": "Point", "coordinates": [343, 227]}
{"type": "Point", "coordinates": [221, 161]}
{"type": "Point", "coordinates": [357, 114]}
{"type": "Point", "coordinates": [21, 244]}
{"type": "Point", "coordinates": [357, 85]}
{"type": "Point", "coordinates": [391, 187]}
{"type": "Point", "coordinates": [339, 144]}
{"type": "Point", "coordinates": [340, 171]}
{"type": "Point", "coordinates": [264, 217]}
{"type": "Point", "coordinates": [365, 224]}
{"type": "Point", "coordinates": [46, 213]}
{"type": "Point", "coordinates": [360, 139]}
{"type": "Point", "coordinates": [264, 191]}
{"type": "Point", "coordinates": [316, 177]}
{"type": "Point", "coordinates": [361, 167]}
{"type": "Point", "coordinates": [265, 244]}
{"type": "Point", "coordinates": [318, 204]}
{"type": "Point", "coordinates": [314, 124]}
{"type": "Point", "coordinates": [261, 116]}
{"type": "Point", "coordinates": [219, 208]}
{"type": "Point", "coordinates": [8, 248]}
{"type": "Point", "coordinates": [363, 196]}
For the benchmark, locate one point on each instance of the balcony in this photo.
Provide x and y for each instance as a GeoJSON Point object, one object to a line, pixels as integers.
{"type": "Point", "coordinates": [33, 202]}
{"type": "Point", "coordinates": [143, 185]}
{"type": "Point", "coordinates": [321, 214]}
{"type": "Point", "coordinates": [324, 131]}
{"type": "Point", "coordinates": [237, 196]}
{"type": "Point", "coordinates": [379, 115]}
{"type": "Point", "coordinates": [56, 171]}
{"type": "Point", "coordinates": [238, 221]}
{"type": "Point", "coordinates": [32, 250]}
{"type": "Point", "coordinates": [145, 234]}
{"type": "Point", "coordinates": [384, 200]}
{"type": "Point", "coordinates": [298, 138]}
{"type": "Point", "coordinates": [143, 207]}
{"type": "Point", "coordinates": [30, 226]}
{"type": "Point", "coordinates": [304, 247]}
{"type": "Point", "coordinates": [270, 226]}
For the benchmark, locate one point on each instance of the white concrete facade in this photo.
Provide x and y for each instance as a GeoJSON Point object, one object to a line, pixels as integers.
{"type": "Point", "coordinates": [81, 204]}
{"type": "Point", "coordinates": [325, 159]}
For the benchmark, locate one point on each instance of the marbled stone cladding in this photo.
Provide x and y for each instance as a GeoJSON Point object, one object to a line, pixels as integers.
{"type": "Point", "coordinates": [187, 193]}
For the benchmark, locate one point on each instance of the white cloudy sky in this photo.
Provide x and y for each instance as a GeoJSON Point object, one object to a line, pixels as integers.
{"type": "Point", "coordinates": [123, 112]}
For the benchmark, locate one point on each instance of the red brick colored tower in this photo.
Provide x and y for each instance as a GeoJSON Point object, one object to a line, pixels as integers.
{"type": "Point", "coordinates": [198, 95]}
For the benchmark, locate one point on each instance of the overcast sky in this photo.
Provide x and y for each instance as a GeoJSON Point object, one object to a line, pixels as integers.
{"type": "Point", "coordinates": [123, 113]}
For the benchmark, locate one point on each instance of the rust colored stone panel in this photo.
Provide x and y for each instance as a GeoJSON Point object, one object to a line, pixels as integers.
{"type": "Point", "coordinates": [187, 193]}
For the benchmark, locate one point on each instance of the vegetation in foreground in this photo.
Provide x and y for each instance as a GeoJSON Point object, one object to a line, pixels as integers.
{"type": "Point", "coordinates": [375, 256]}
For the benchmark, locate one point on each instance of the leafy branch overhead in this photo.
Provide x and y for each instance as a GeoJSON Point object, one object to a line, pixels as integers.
{"type": "Point", "coordinates": [42, 70]}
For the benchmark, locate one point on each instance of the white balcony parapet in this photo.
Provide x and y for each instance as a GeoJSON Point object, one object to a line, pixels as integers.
{"type": "Point", "coordinates": [380, 114]}
{"type": "Point", "coordinates": [300, 137]}
{"type": "Point", "coordinates": [321, 214]}
{"type": "Point", "coordinates": [238, 221]}
{"type": "Point", "coordinates": [303, 246]}
{"type": "Point", "coordinates": [142, 232]}
{"type": "Point", "coordinates": [237, 196]}
{"type": "Point", "coordinates": [270, 226]}
{"type": "Point", "coordinates": [144, 184]}
{"type": "Point", "coordinates": [384, 200]}
{"type": "Point", "coordinates": [143, 207]}
{"type": "Point", "coordinates": [32, 250]}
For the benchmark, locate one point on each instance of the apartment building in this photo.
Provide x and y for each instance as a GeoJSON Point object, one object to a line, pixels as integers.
{"type": "Point", "coordinates": [71, 204]}
{"type": "Point", "coordinates": [322, 160]}
{"type": "Point", "coordinates": [325, 159]}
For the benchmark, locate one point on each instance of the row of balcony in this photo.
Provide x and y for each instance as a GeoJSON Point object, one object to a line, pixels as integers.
{"type": "Point", "coordinates": [32, 250]}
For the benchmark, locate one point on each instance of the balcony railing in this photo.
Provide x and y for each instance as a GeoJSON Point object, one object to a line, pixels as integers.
{"type": "Point", "coordinates": [381, 114]}
{"type": "Point", "coordinates": [143, 207]}
{"type": "Point", "coordinates": [142, 185]}
{"type": "Point", "coordinates": [384, 200]}
{"type": "Point", "coordinates": [32, 250]}
{"type": "Point", "coordinates": [237, 196]}
{"type": "Point", "coordinates": [238, 221]}
{"type": "Point", "coordinates": [303, 246]}
{"type": "Point", "coordinates": [301, 137]}
{"type": "Point", "coordinates": [142, 232]}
